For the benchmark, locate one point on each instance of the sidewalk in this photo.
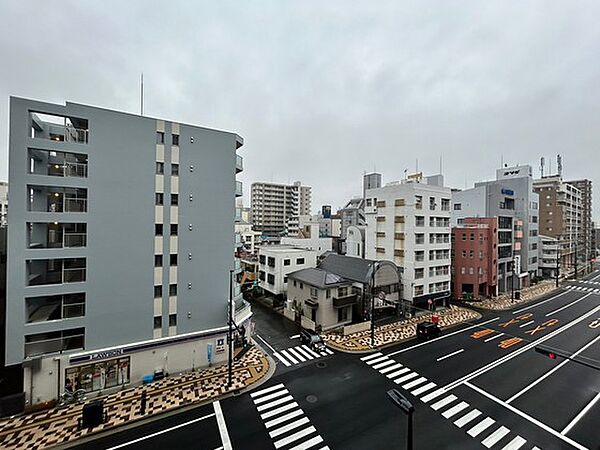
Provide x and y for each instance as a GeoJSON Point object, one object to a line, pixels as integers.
{"type": "Point", "coordinates": [503, 302]}
{"type": "Point", "coordinates": [393, 333]}
{"type": "Point", "coordinates": [59, 425]}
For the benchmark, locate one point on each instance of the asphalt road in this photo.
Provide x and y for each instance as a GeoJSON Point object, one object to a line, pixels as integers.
{"type": "Point", "coordinates": [478, 387]}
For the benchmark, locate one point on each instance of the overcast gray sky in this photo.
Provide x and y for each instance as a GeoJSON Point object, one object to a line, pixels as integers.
{"type": "Point", "coordinates": [322, 91]}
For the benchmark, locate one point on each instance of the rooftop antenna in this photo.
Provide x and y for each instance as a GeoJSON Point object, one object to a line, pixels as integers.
{"type": "Point", "coordinates": [542, 161]}
{"type": "Point", "coordinates": [142, 95]}
{"type": "Point", "coordinates": [417, 166]}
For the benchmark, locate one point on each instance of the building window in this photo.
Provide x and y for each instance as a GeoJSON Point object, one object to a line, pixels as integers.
{"type": "Point", "coordinates": [419, 238]}
{"type": "Point", "coordinates": [174, 199]}
{"type": "Point", "coordinates": [54, 307]}
{"type": "Point", "coordinates": [158, 260]}
{"type": "Point", "coordinates": [420, 255]}
{"type": "Point", "coordinates": [342, 291]}
{"type": "Point", "coordinates": [464, 236]}
{"type": "Point", "coordinates": [295, 283]}
{"type": "Point", "coordinates": [285, 279]}
{"type": "Point", "coordinates": [172, 320]}
{"type": "Point", "coordinates": [432, 203]}
{"type": "Point", "coordinates": [418, 290]}
{"type": "Point", "coordinates": [174, 229]}
{"type": "Point", "coordinates": [328, 293]}
{"type": "Point", "coordinates": [445, 204]}
{"type": "Point", "coordinates": [457, 206]}
{"type": "Point", "coordinates": [173, 260]}
{"type": "Point", "coordinates": [99, 375]}
{"type": "Point", "coordinates": [160, 137]}
{"type": "Point", "coordinates": [158, 229]}
{"type": "Point", "coordinates": [419, 273]}
{"type": "Point", "coordinates": [270, 278]}
{"type": "Point", "coordinates": [160, 168]}
{"type": "Point", "coordinates": [286, 262]}
{"type": "Point", "coordinates": [172, 290]}
{"type": "Point", "coordinates": [342, 314]}
{"type": "Point", "coordinates": [157, 291]}
{"type": "Point", "coordinates": [271, 261]}
{"type": "Point", "coordinates": [419, 221]}
{"type": "Point", "coordinates": [175, 169]}
{"type": "Point", "coordinates": [54, 341]}
{"type": "Point", "coordinates": [472, 237]}
{"type": "Point", "coordinates": [300, 261]}
{"type": "Point", "coordinates": [418, 201]}
{"type": "Point", "coordinates": [159, 198]}
{"type": "Point", "coordinates": [157, 322]}
{"type": "Point", "coordinates": [175, 139]}
{"type": "Point", "coordinates": [462, 270]}
{"type": "Point", "coordinates": [470, 271]}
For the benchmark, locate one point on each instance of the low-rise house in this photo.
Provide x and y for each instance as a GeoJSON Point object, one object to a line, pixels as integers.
{"type": "Point", "coordinates": [276, 262]}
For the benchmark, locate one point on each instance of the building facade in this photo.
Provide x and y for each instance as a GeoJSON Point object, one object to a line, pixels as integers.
{"type": "Point", "coordinates": [355, 241]}
{"type": "Point", "coordinates": [371, 181]}
{"type": "Point", "coordinates": [121, 246]}
{"type": "Point", "coordinates": [549, 251]}
{"type": "Point", "coordinates": [475, 258]}
{"type": "Point", "coordinates": [309, 238]}
{"type": "Point", "coordinates": [3, 202]}
{"type": "Point", "coordinates": [276, 262]}
{"type": "Point", "coordinates": [353, 214]}
{"type": "Point", "coordinates": [585, 244]}
{"type": "Point", "coordinates": [275, 205]}
{"type": "Point", "coordinates": [408, 223]}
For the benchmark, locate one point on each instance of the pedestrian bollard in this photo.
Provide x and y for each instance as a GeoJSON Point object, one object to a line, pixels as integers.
{"type": "Point", "coordinates": [143, 403]}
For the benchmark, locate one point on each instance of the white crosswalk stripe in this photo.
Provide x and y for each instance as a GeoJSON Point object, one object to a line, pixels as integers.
{"type": "Point", "coordinates": [495, 437]}
{"type": "Point", "coordinates": [406, 377]}
{"type": "Point", "coordinates": [288, 425]}
{"type": "Point", "coordinates": [299, 354]}
{"type": "Point", "coordinates": [390, 368]}
{"type": "Point", "coordinates": [478, 429]}
{"type": "Point", "coordinates": [443, 402]}
{"type": "Point", "coordinates": [515, 444]}
{"type": "Point", "coordinates": [433, 395]}
{"type": "Point", "coordinates": [383, 364]}
{"type": "Point", "coordinates": [368, 357]}
{"type": "Point", "coordinates": [376, 360]}
{"type": "Point", "coordinates": [467, 418]}
{"type": "Point", "coordinates": [414, 383]}
{"type": "Point", "coordinates": [455, 410]}
{"type": "Point", "coordinates": [398, 372]}
{"type": "Point", "coordinates": [422, 389]}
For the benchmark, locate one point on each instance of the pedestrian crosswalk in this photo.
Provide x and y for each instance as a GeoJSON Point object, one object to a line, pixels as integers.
{"type": "Point", "coordinates": [462, 414]}
{"type": "Point", "coordinates": [285, 421]}
{"type": "Point", "coordinates": [597, 283]}
{"type": "Point", "coordinates": [574, 287]}
{"type": "Point", "coordinates": [299, 354]}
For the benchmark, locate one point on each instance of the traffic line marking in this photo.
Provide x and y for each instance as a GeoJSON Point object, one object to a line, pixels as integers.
{"type": "Point", "coordinates": [422, 389]}
{"type": "Point", "coordinates": [399, 372]}
{"type": "Point", "coordinates": [310, 443]}
{"type": "Point", "coordinates": [515, 444]}
{"type": "Point", "coordinates": [280, 358]}
{"type": "Point", "coordinates": [225, 440]}
{"type": "Point", "coordinates": [526, 323]}
{"type": "Point", "coordinates": [433, 395]}
{"type": "Point", "coordinates": [271, 396]}
{"type": "Point", "coordinates": [296, 336]}
{"type": "Point", "coordinates": [376, 360]}
{"type": "Point", "coordinates": [495, 436]}
{"type": "Point", "coordinates": [582, 413]}
{"type": "Point", "coordinates": [477, 429]}
{"type": "Point", "coordinates": [494, 337]}
{"type": "Point", "coordinates": [279, 410]}
{"type": "Point", "coordinates": [568, 305]}
{"type": "Point", "coordinates": [383, 364]}
{"type": "Point", "coordinates": [374, 355]}
{"type": "Point", "coordinates": [443, 402]}
{"type": "Point", "coordinates": [304, 353]}
{"type": "Point", "coordinates": [296, 354]}
{"type": "Point", "coordinates": [406, 377]}
{"type": "Point", "coordinates": [540, 303]}
{"type": "Point", "coordinates": [467, 418]}
{"type": "Point", "coordinates": [390, 368]}
{"type": "Point", "coordinates": [288, 427]}
{"type": "Point", "coordinates": [284, 418]}
{"type": "Point", "coordinates": [274, 403]}
{"type": "Point", "coordinates": [455, 410]}
{"type": "Point", "coordinates": [315, 354]}
{"type": "Point", "coordinates": [266, 390]}
{"type": "Point", "coordinates": [414, 383]}
{"type": "Point", "coordinates": [288, 356]}
{"type": "Point", "coordinates": [441, 358]}
{"type": "Point", "coordinates": [294, 437]}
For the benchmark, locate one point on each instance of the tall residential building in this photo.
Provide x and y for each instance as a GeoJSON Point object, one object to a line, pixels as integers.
{"type": "Point", "coordinates": [585, 247]}
{"type": "Point", "coordinates": [560, 217]}
{"type": "Point", "coordinates": [353, 214]}
{"type": "Point", "coordinates": [408, 223]}
{"type": "Point", "coordinates": [3, 202]}
{"type": "Point", "coordinates": [371, 181]}
{"type": "Point", "coordinates": [121, 247]}
{"type": "Point", "coordinates": [275, 207]}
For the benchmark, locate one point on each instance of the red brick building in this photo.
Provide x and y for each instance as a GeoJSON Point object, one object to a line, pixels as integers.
{"type": "Point", "coordinates": [475, 257]}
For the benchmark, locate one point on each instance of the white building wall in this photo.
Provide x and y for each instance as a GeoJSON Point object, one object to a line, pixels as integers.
{"type": "Point", "coordinates": [280, 270]}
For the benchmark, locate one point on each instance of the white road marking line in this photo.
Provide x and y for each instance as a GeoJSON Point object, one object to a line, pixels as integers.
{"type": "Point", "coordinates": [444, 336]}
{"type": "Point", "coordinates": [389, 369]}
{"type": "Point", "coordinates": [266, 343]}
{"type": "Point", "coordinates": [455, 410]}
{"type": "Point", "coordinates": [222, 426]}
{"type": "Point", "coordinates": [288, 356]}
{"type": "Point", "coordinates": [515, 353]}
{"type": "Point", "coordinates": [399, 372]}
{"type": "Point", "coordinates": [264, 391]}
{"type": "Point", "coordinates": [373, 355]}
{"type": "Point", "coordinates": [568, 305]}
{"type": "Point", "coordinates": [279, 410]}
{"type": "Point", "coordinates": [288, 427]}
{"type": "Point", "coordinates": [550, 372]}
{"type": "Point", "coordinates": [307, 348]}
{"type": "Point", "coordinates": [526, 324]}
{"type": "Point", "coordinates": [582, 413]}
{"type": "Point", "coordinates": [515, 444]}
{"type": "Point", "coordinates": [308, 444]}
{"type": "Point", "coordinates": [296, 354]}
{"type": "Point", "coordinates": [414, 383]}
{"type": "Point", "coordinates": [280, 401]}
{"type": "Point", "coordinates": [323, 353]}
{"type": "Point", "coordinates": [433, 395]}
{"type": "Point", "coordinates": [284, 418]}
{"type": "Point", "coordinates": [406, 377]}
{"type": "Point", "coordinates": [376, 360]}
{"type": "Point", "coordinates": [477, 429]}
{"type": "Point", "coordinates": [494, 337]}
{"type": "Point", "coordinates": [328, 351]}
{"type": "Point", "coordinates": [294, 437]}
{"type": "Point", "coordinates": [296, 336]}
{"type": "Point", "coordinates": [467, 418]}
{"type": "Point", "coordinates": [282, 359]}
{"type": "Point", "coordinates": [158, 433]}
{"type": "Point", "coordinates": [443, 402]}
{"type": "Point", "coordinates": [540, 303]}
{"type": "Point", "coordinates": [268, 397]}
{"type": "Point", "coordinates": [422, 389]}
{"type": "Point", "coordinates": [495, 436]}
{"type": "Point", "coordinates": [383, 364]}
{"type": "Point", "coordinates": [441, 358]}
{"type": "Point", "coordinates": [534, 421]}
{"type": "Point", "coordinates": [304, 353]}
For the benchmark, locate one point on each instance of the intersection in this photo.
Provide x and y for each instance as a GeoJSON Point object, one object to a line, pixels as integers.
{"type": "Point", "coordinates": [481, 385]}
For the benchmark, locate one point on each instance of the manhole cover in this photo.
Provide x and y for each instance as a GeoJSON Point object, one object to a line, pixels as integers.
{"type": "Point", "coordinates": [321, 365]}
{"type": "Point", "coordinates": [311, 398]}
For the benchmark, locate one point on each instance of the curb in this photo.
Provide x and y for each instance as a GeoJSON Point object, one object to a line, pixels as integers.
{"type": "Point", "coordinates": [516, 305]}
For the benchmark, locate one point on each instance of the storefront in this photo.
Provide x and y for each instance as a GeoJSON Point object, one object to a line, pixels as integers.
{"type": "Point", "coordinates": [99, 375]}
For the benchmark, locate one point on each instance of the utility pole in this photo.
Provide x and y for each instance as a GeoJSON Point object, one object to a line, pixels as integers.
{"type": "Point", "coordinates": [575, 259]}
{"type": "Point", "coordinates": [230, 332]}
{"type": "Point", "coordinates": [557, 263]}
{"type": "Point", "coordinates": [512, 282]}
{"type": "Point", "coordinates": [373, 304]}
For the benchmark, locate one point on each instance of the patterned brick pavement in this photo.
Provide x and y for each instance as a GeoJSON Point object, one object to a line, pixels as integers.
{"type": "Point", "coordinates": [503, 302]}
{"type": "Point", "coordinates": [397, 331]}
{"type": "Point", "coordinates": [59, 425]}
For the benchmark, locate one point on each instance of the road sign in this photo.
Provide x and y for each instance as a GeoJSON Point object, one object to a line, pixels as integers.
{"type": "Point", "coordinates": [209, 352]}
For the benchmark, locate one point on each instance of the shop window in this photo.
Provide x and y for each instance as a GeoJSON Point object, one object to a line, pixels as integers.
{"type": "Point", "coordinates": [99, 375]}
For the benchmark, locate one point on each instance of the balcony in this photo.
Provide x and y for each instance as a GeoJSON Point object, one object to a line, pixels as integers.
{"type": "Point", "coordinates": [57, 199]}
{"type": "Point", "coordinates": [59, 128]}
{"type": "Point", "coordinates": [239, 164]}
{"type": "Point", "coordinates": [54, 342]}
{"type": "Point", "coordinates": [341, 302]}
{"type": "Point", "coordinates": [56, 235]}
{"type": "Point", "coordinates": [57, 164]}
{"type": "Point", "coordinates": [55, 271]}
{"type": "Point", "coordinates": [238, 189]}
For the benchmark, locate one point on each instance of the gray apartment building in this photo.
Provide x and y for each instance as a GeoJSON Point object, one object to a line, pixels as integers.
{"type": "Point", "coordinates": [121, 246]}
{"type": "Point", "coordinates": [276, 207]}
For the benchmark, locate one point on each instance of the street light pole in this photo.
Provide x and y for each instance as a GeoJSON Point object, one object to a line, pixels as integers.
{"type": "Point", "coordinates": [557, 263]}
{"type": "Point", "coordinates": [373, 305]}
{"type": "Point", "coordinates": [575, 259]}
{"type": "Point", "coordinates": [402, 402]}
{"type": "Point", "coordinates": [230, 332]}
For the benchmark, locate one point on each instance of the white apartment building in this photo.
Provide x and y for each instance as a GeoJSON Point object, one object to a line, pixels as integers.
{"type": "Point", "coordinates": [408, 222]}
{"type": "Point", "coordinates": [275, 262]}
{"type": "Point", "coordinates": [274, 205]}
{"type": "Point", "coordinates": [548, 251]}
{"type": "Point", "coordinates": [309, 238]}
{"type": "Point", "coordinates": [3, 202]}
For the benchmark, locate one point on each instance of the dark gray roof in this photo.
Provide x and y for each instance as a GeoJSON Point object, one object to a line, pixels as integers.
{"type": "Point", "coordinates": [355, 269]}
{"type": "Point", "coordinates": [318, 277]}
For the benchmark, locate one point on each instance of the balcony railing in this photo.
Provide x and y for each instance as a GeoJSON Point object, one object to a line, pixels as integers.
{"type": "Point", "coordinates": [239, 163]}
{"type": "Point", "coordinates": [238, 189]}
{"type": "Point", "coordinates": [74, 239]}
{"type": "Point", "coordinates": [340, 302]}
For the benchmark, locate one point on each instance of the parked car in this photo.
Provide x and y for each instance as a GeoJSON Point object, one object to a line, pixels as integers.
{"type": "Point", "coordinates": [312, 339]}
{"type": "Point", "coordinates": [428, 330]}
